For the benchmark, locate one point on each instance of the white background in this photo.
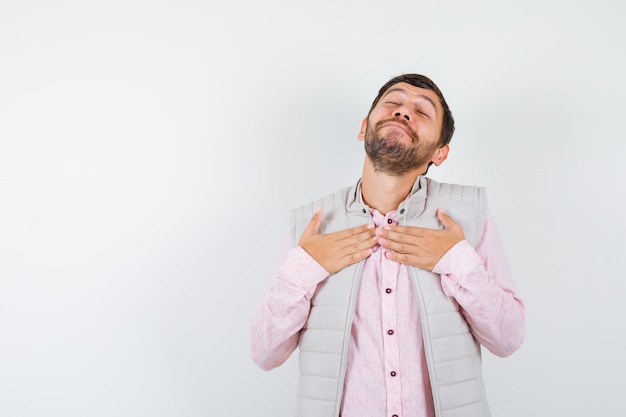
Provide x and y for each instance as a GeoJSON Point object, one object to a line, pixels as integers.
{"type": "Point", "coordinates": [150, 152]}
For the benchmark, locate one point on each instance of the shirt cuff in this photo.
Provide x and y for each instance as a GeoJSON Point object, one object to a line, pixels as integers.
{"type": "Point", "coordinates": [460, 267]}
{"type": "Point", "coordinates": [301, 271]}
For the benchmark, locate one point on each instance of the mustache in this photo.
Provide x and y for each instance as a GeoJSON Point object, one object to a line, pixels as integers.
{"type": "Point", "coordinates": [412, 133]}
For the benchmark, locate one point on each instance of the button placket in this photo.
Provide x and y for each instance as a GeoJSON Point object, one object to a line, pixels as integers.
{"type": "Point", "coordinates": [390, 270]}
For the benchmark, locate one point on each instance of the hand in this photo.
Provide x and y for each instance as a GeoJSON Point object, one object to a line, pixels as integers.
{"type": "Point", "coordinates": [335, 251]}
{"type": "Point", "coordinates": [418, 246]}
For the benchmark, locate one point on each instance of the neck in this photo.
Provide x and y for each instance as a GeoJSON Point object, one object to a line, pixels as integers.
{"type": "Point", "coordinates": [385, 192]}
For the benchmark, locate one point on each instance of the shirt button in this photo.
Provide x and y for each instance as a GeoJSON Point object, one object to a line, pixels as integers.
{"type": "Point", "coordinates": [389, 221]}
{"type": "Point", "coordinates": [393, 373]}
{"type": "Point", "coordinates": [388, 290]}
{"type": "Point", "coordinates": [364, 211]}
{"type": "Point", "coordinates": [402, 211]}
{"type": "Point", "coordinates": [389, 332]}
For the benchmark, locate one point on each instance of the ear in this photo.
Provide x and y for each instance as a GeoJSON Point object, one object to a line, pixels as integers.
{"type": "Point", "coordinates": [363, 129]}
{"type": "Point", "coordinates": [440, 155]}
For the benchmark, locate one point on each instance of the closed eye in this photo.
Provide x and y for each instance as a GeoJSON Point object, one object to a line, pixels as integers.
{"type": "Point", "coordinates": [423, 113]}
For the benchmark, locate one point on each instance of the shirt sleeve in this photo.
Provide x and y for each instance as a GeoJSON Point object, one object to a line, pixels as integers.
{"type": "Point", "coordinates": [480, 281]}
{"type": "Point", "coordinates": [275, 326]}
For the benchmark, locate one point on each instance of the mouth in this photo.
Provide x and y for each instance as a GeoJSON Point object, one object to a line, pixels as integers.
{"type": "Point", "coordinates": [396, 124]}
{"type": "Point", "coordinates": [399, 125]}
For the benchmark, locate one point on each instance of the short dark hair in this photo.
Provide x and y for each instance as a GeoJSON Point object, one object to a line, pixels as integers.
{"type": "Point", "coordinates": [422, 81]}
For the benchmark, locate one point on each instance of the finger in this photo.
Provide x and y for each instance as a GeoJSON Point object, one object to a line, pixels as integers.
{"type": "Point", "coordinates": [357, 233]}
{"type": "Point", "coordinates": [314, 225]}
{"type": "Point", "coordinates": [364, 233]}
{"type": "Point", "coordinates": [402, 234]}
{"type": "Point", "coordinates": [369, 241]}
{"type": "Point", "coordinates": [348, 247]}
{"type": "Point", "coordinates": [355, 257]}
{"type": "Point", "coordinates": [406, 230]}
{"type": "Point", "coordinates": [399, 247]}
{"type": "Point", "coordinates": [403, 258]}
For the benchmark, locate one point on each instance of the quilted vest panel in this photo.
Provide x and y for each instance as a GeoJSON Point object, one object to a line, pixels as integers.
{"type": "Point", "coordinates": [452, 353]}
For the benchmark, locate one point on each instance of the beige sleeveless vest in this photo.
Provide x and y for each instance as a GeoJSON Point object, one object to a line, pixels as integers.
{"type": "Point", "coordinates": [452, 353]}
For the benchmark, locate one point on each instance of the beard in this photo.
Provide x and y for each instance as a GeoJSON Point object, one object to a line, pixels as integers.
{"type": "Point", "coordinates": [390, 156]}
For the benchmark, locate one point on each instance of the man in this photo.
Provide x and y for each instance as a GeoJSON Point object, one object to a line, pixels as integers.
{"type": "Point", "coordinates": [390, 287]}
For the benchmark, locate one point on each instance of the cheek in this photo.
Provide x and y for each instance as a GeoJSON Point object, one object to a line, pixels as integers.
{"type": "Point", "coordinates": [428, 132]}
{"type": "Point", "coordinates": [379, 114]}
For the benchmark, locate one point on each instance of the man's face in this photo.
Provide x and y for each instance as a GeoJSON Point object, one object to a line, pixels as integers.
{"type": "Point", "coordinates": [402, 132]}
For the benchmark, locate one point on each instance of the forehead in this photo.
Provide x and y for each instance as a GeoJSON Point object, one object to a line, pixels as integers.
{"type": "Point", "coordinates": [415, 93]}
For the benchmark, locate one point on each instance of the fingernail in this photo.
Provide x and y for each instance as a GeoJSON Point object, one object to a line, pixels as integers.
{"type": "Point", "coordinates": [387, 227]}
{"type": "Point", "coordinates": [370, 226]}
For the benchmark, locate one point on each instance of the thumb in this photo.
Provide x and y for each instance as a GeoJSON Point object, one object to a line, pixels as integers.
{"type": "Point", "coordinates": [314, 225]}
{"type": "Point", "coordinates": [445, 220]}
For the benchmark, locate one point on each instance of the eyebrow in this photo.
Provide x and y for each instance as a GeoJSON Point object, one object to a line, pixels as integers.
{"type": "Point", "coordinates": [424, 96]}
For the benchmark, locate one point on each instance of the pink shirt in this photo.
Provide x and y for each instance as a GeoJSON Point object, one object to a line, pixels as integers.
{"type": "Point", "coordinates": [386, 368]}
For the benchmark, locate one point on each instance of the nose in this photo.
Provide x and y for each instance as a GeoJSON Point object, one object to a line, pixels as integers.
{"type": "Point", "coordinates": [402, 114]}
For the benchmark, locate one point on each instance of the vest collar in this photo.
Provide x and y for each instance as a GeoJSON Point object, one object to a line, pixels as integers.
{"type": "Point", "coordinates": [409, 209]}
